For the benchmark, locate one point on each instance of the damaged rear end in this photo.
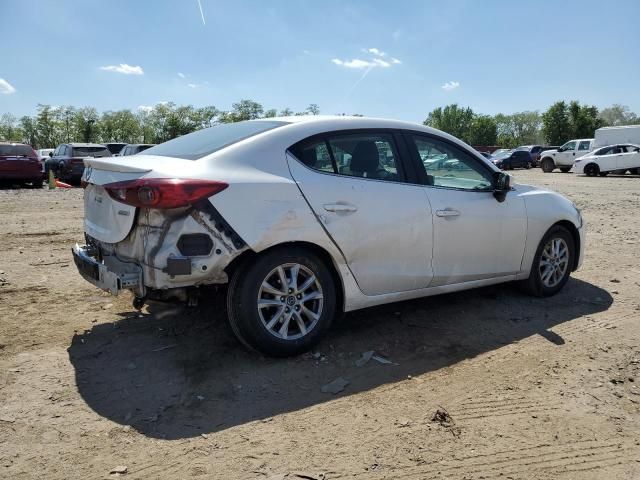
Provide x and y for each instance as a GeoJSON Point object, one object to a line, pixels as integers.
{"type": "Point", "coordinates": [154, 234]}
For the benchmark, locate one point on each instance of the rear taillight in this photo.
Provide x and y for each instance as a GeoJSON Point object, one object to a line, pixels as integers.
{"type": "Point", "coordinates": [163, 192]}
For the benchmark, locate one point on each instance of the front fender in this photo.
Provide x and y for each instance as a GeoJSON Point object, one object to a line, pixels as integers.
{"type": "Point", "coordinates": [544, 209]}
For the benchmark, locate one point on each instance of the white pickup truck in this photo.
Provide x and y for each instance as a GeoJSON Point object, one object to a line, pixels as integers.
{"type": "Point", "coordinates": [564, 157]}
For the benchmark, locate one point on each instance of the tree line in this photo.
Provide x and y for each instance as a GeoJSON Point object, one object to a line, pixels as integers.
{"type": "Point", "coordinates": [52, 126]}
{"type": "Point", "coordinates": [561, 122]}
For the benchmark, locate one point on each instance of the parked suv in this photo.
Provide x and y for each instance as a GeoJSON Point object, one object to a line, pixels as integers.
{"type": "Point", "coordinates": [535, 151]}
{"type": "Point", "coordinates": [67, 161]}
{"type": "Point", "coordinates": [512, 159]}
{"type": "Point", "coordinates": [19, 163]}
{"type": "Point", "coordinates": [564, 156]}
{"type": "Point", "coordinates": [133, 148]}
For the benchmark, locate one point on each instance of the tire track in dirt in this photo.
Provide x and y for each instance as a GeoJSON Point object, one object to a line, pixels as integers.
{"type": "Point", "coordinates": [580, 455]}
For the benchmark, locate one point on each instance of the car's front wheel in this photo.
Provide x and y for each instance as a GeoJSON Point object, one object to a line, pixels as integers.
{"type": "Point", "coordinates": [282, 302]}
{"type": "Point", "coordinates": [552, 263]}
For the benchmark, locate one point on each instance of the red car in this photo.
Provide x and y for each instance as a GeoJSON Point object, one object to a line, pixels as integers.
{"type": "Point", "coordinates": [19, 163]}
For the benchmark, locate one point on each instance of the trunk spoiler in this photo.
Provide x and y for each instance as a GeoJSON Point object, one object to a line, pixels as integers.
{"type": "Point", "coordinates": [111, 166]}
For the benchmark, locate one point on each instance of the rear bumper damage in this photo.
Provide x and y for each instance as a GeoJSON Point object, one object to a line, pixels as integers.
{"type": "Point", "coordinates": [110, 274]}
{"type": "Point", "coordinates": [165, 255]}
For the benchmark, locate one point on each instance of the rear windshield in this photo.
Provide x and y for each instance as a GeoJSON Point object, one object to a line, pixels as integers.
{"type": "Point", "coordinates": [142, 148]}
{"type": "Point", "coordinates": [116, 147]}
{"type": "Point", "coordinates": [16, 151]}
{"type": "Point", "coordinates": [203, 142]}
{"type": "Point", "coordinates": [91, 152]}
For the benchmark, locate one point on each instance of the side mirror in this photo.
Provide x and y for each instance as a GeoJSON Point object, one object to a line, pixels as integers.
{"type": "Point", "coordinates": [501, 185]}
{"type": "Point", "coordinates": [51, 154]}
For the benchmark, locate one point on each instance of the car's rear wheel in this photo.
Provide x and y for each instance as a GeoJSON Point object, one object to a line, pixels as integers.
{"type": "Point", "coordinates": [552, 263]}
{"type": "Point", "coordinates": [547, 165]}
{"type": "Point", "coordinates": [591, 170]}
{"type": "Point", "coordinates": [282, 303]}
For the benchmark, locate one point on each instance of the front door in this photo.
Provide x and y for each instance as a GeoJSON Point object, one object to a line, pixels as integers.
{"type": "Point", "coordinates": [355, 184]}
{"type": "Point", "coordinates": [475, 236]}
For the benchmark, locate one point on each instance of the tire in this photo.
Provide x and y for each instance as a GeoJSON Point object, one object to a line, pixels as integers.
{"type": "Point", "coordinates": [547, 165]}
{"type": "Point", "coordinates": [528, 165]}
{"type": "Point", "coordinates": [591, 170]}
{"type": "Point", "coordinates": [37, 183]}
{"type": "Point", "coordinates": [252, 324]}
{"type": "Point", "coordinates": [536, 284]}
{"type": "Point", "coordinates": [635, 171]}
{"type": "Point", "coordinates": [565, 169]}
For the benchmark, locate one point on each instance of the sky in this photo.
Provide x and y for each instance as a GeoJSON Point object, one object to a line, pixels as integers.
{"type": "Point", "coordinates": [396, 59]}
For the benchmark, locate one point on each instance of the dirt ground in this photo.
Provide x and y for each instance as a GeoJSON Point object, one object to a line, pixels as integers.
{"type": "Point", "coordinates": [487, 383]}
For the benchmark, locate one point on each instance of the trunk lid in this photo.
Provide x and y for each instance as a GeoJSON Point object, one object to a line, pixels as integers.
{"type": "Point", "coordinates": [107, 219]}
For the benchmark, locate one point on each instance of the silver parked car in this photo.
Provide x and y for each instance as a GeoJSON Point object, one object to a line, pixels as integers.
{"type": "Point", "coordinates": [305, 217]}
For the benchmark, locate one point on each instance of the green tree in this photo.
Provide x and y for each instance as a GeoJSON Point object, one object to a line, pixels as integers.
{"type": "Point", "coordinates": [452, 119]}
{"type": "Point", "coordinates": [10, 128]}
{"type": "Point", "coordinates": [556, 126]}
{"type": "Point", "coordinates": [29, 131]}
{"type": "Point", "coordinates": [47, 135]}
{"type": "Point", "coordinates": [313, 109]}
{"type": "Point", "coordinates": [483, 130]}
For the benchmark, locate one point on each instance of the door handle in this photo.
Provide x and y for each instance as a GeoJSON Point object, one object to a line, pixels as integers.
{"type": "Point", "coordinates": [339, 207]}
{"type": "Point", "coordinates": [448, 212]}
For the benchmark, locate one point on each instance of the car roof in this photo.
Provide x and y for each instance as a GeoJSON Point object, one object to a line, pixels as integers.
{"type": "Point", "coordinates": [76, 144]}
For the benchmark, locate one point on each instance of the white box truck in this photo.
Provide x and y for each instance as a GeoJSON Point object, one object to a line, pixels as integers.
{"type": "Point", "coordinates": [613, 135]}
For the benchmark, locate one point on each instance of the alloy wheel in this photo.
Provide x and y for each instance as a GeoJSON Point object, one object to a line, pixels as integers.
{"type": "Point", "coordinates": [290, 301]}
{"type": "Point", "coordinates": [554, 262]}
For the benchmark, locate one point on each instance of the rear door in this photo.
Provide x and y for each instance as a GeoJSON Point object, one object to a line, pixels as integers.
{"type": "Point", "coordinates": [358, 189]}
{"type": "Point", "coordinates": [629, 158]}
{"type": "Point", "coordinates": [475, 237]}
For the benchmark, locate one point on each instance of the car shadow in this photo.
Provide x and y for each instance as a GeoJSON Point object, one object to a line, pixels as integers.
{"type": "Point", "coordinates": [177, 373]}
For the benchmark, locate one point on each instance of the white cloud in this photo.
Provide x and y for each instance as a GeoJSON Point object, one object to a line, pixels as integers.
{"type": "Point", "coordinates": [192, 85]}
{"type": "Point", "coordinates": [6, 88]}
{"type": "Point", "coordinates": [124, 68]}
{"type": "Point", "coordinates": [379, 59]}
{"type": "Point", "coordinates": [450, 86]}
{"type": "Point", "coordinates": [145, 108]}
{"type": "Point", "coordinates": [376, 52]}
{"type": "Point", "coordinates": [182, 75]}
{"type": "Point", "coordinates": [358, 63]}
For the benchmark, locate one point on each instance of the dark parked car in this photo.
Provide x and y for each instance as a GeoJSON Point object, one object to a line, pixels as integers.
{"type": "Point", "coordinates": [535, 151]}
{"type": "Point", "coordinates": [115, 147]}
{"type": "Point", "coordinates": [485, 154]}
{"type": "Point", "coordinates": [67, 161]}
{"type": "Point", "coordinates": [133, 148]}
{"type": "Point", "coordinates": [512, 159]}
{"type": "Point", "coordinates": [19, 163]}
